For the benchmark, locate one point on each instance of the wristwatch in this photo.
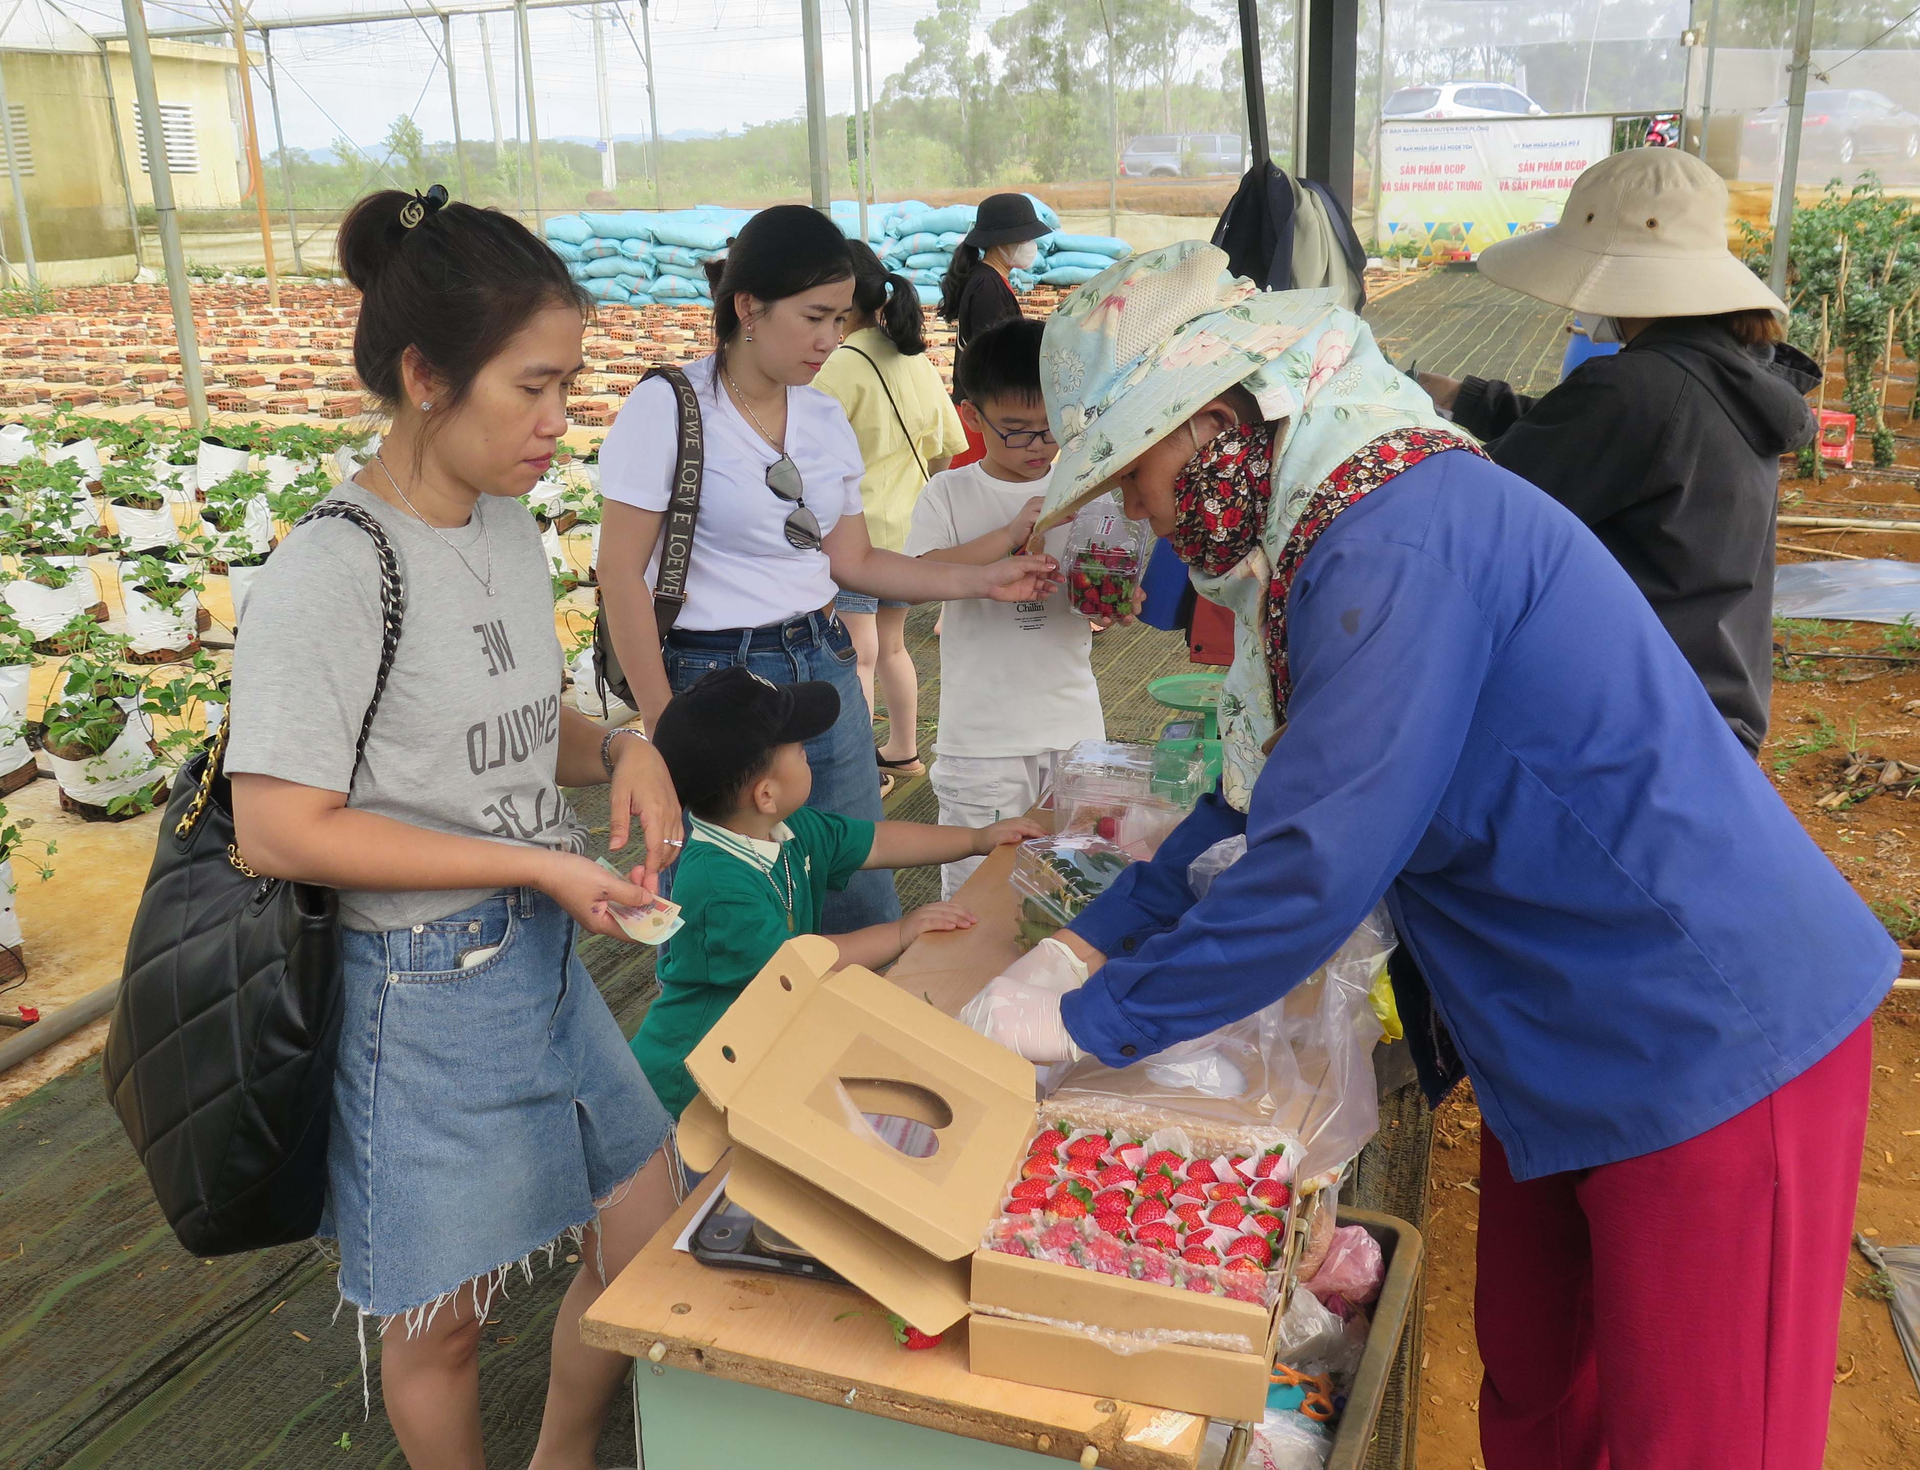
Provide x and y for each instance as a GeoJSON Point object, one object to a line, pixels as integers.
{"type": "Point", "coordinates": [606, 745]}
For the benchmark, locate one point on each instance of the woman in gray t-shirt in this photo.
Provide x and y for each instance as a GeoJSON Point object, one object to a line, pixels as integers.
{"type": "Point", "coordinates": [485, 1103]}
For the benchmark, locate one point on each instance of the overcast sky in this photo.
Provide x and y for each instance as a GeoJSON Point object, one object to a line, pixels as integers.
{"type": "Point", "coordinates": [719, 64]}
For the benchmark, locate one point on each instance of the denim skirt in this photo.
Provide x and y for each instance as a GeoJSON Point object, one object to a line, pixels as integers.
{"type": "Point", "coordinates": [479, 1115]}
{"type": "Point", "coordinates": [846, 777]}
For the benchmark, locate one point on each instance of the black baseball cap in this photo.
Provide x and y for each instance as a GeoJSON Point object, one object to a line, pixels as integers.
{"type": "Point", "coordinates": [722, 729]}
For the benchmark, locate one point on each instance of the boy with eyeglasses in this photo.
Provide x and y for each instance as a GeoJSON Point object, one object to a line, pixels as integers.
{"type": "Point", "coordinates": [1016, 679]}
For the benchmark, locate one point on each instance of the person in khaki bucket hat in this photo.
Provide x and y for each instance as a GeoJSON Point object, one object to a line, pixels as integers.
{"type": "Point", "coordinates": [1669, 449]}
{"type": "Point", "coordinates": [1447, 698]}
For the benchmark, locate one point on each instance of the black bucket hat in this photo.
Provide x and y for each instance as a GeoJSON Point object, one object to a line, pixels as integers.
{"type": "Point", "coordinates": [1005, 219]}
{"type": "Point", "coordinates": [725, 724]}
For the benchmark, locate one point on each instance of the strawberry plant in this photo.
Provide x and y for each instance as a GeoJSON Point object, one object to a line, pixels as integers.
{"type": "Point", "coordinates": [132, 484]}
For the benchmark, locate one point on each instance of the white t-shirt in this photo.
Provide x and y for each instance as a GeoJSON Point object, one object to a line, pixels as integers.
{"type": "Point", "coordinates": [1016, 678]}
{"type": "Point", "coordinates": [742, 573]}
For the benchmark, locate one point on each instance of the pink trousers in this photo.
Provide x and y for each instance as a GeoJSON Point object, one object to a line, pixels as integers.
{"type": "Point", "coordinates": [1679, 1310]}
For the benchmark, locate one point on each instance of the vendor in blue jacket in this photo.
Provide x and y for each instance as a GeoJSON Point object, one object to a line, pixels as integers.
{"type": "Point", "coordinates": [1447, 694]}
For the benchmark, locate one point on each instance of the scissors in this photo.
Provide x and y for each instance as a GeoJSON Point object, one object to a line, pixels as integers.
{"type": "Point", "coordinates": [1309, 1394]}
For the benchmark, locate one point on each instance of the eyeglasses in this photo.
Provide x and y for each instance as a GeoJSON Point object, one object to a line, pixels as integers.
{"type": "Point", "coordinates": [802, 527]}
{"type": "Point", "coordinates": [1019, 438]}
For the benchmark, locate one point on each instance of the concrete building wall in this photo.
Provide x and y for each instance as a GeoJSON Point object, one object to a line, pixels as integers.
{"type": "Point", "coordinates": [203, 78]}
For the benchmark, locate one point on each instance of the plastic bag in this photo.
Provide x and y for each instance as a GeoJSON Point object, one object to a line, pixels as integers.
{"type": "Point", "coordinates": [1302, 1065]}
{"type": "Point", "coordinates": [1312, 1340]}
{"type": "Point", "coordinates": [1853, 591]}
{"type": "Point", "coordinates": [1105, 555]}
{"type": "Point", "coordinates": [1288, 1441]}
{"type": "Point", "coordinates": [1129, 794]}
{"type": "Point", "coordinates": [1352, 1269]}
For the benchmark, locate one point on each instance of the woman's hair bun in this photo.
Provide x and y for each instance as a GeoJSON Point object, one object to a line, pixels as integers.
{"type": "Point", "coordinates": [371, 235]}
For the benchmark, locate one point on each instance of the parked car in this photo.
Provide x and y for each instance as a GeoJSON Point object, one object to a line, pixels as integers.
{"type": "Point", "coordinates": [1463, 99]}
{"type": "Point", "coordinates": [1174, 155]}
{"type": "Point", "coordinates": [1839, 127]}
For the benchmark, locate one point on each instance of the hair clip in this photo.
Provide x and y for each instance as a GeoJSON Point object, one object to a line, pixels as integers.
{"type": "Point", "coordinates": [422, 205]}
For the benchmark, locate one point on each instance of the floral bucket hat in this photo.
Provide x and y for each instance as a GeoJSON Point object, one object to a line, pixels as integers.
{"type": "Point", "coordinates": [1130, 355]}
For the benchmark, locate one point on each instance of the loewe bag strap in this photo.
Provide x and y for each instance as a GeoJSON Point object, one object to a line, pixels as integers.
{"type": "Point", "coordinates": [912, 448]}
{"type": "Point", "coordinates": [392, 608]}
{"type": "Point", "coordinates": [683, 503]}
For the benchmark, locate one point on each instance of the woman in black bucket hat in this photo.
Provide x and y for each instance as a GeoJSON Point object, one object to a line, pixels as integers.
{"type": "Point", "coordinates": [975, 294]}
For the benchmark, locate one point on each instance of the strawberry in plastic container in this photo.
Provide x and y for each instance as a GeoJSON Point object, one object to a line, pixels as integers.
{"type": "Point", "coordinates": [1105, 555]}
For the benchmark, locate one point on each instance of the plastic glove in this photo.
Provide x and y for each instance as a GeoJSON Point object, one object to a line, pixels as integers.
{"type": "Point", "coordinates": [1021, 1009]}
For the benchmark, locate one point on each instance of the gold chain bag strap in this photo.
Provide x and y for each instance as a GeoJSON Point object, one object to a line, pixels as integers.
{"type": "Point", "coordinates": [676, 543]}
{"type": "Point", "coordinates": [219, 1058]}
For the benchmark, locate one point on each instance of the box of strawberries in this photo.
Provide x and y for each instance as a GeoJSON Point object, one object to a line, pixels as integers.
{"type": "Point", "coordinates": [1105, 554]}
{"type": "Point", "coordinates": [1147, 1264]}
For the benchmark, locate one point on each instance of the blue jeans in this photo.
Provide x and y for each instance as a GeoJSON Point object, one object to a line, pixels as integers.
{"type": "Point", "coordinates": [845, 778]}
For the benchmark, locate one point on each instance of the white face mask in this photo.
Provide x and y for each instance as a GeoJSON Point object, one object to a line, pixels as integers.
{"type": "Point", "coordinates": [1020, 256]}
{"type": "Point", "coordinates": [1600, 329]}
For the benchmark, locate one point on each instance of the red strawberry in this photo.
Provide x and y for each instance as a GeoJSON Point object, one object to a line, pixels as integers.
{"type": "Point", "coordinates": [1224, 1191]}
{"type": "Point", "coordinates": [1157, 1233]}
{"type": "Point", "coordinates": [1014, 1247]}
{"type": "Point", "coordinates": [1111, 1225]}
{"type": "Point", "coordinates": [1268, 1225]}
{"type": "Point", "coordinates": [1240, 1165]}
{"type": "Point", "coordinates": [1081, 1168]}
{"type": "Point", "coordinates": [1108, 1257]}
{"type": "Point", "coordinates": [1227, 1213]}
{"type": "Point", "coordinates": [1059, 1236]}
{"type": "Point", "coordinates": [1202, 1172]}
{"type": "Point", "coordinates": [1246, 1286]}
{"type": "Point", "coordinates": [1114, 1174]}
{"type": "Point", "coordinates": [1026, 1206]}
{"type": "Point", "coordinates": [1201, 1283]}
{"type": "Point", "coordinates": [1047, 1142]}
{"type": "Point", "coordinates": [1156, 1186]}
{"type": "Point", "coordinates": [1153, 1266]}
{"type": "Point", "coordinates": [1092, 1146]}
{"type": "Point", "coordinates": [1069, 1202]}
{"type": "Point", "coordinates": [1111, 1202]}
{"type": "Point", "coordinates": [1039, 1166]}
{"type": "Point", "coordinates": [911, 1337]}
{"type": "Point", "coordinates": [1271, 1192]}
{"type": "Point", "coordinates": [1189, 1215]}
{"type": "Point", "coordinates": [1189, 1191]}
{"type": "Point", "coordinates": [1165, 1159]}
{"type": "Point", "coordinates": [1200, 1255]}
{"type": "Point", "coordinates": [1031, 1189]}
{"type": "Point", "coordinates": [1106, 827]}
{"type": "Point", "coordinates": [1267, 1166]}
{"type": "Point", "coordinates": [1149, 1210]}
{"type": "Point", "coordinates": [1251, 1247]}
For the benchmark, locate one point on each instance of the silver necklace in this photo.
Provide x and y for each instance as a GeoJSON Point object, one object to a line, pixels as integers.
{"type": "Point", "coordinates": [486, 536]}
{"type": "Point", "coordinates": [741, 399]}
{"type": "Point", "coordinates": [788, 896]}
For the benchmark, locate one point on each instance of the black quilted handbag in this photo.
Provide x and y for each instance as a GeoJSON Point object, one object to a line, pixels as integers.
{"type": "Point", "coordinates": [220, 1053]}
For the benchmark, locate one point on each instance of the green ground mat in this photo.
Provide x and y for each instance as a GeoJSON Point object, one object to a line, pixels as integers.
{"type": "Point", "coordinates": [117, 1349]}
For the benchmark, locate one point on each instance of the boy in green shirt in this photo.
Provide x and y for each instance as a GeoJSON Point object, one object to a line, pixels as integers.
{"type": "Point", "coordinates": [760, 861]}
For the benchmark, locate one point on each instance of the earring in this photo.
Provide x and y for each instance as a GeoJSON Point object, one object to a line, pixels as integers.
{"type": "Point", "coordinates": [426, 408]}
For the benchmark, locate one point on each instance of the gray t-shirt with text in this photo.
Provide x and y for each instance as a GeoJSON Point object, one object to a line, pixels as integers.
{"type": "Point", "coordinates": [468, 729]}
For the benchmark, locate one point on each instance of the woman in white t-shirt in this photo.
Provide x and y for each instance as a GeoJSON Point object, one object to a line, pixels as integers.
{"type": "Point", "coordinates": [781, 527]}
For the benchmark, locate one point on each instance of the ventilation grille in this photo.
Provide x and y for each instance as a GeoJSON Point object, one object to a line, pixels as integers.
{"type": "Point", "coordinates": [176, 126]}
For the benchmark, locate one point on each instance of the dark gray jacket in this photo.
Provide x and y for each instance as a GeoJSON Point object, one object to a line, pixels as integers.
{"type": "Point", "coordinates": [1670, 451]}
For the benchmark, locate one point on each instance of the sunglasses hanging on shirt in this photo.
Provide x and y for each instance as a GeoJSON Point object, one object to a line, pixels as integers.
{"type": "Point", "coordinates": [802, 527]}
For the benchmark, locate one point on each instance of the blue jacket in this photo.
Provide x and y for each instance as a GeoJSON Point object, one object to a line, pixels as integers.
{"type": "Point", "coordinates": [1628, 936]}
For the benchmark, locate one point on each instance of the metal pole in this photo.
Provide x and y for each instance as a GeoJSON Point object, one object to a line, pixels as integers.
{"type": "Point", "coordinates": [608, 174]}
{"type": "Point", "coordinates": [1380, 63]}
{"type": "Point", "coordinates": [453, 96]}
{"type": "Point", "coordinates": [1706, 85]}
{"type": "Point", "coordinates": [860, 114]}
{"type": "Point", "coordinates": [19, 194]}
{"type": "Point", "coordinates": [1253, 77]}
{"type": "Point", "coordinates": [120, 152]}
{"type": "Point", "coordinates": [141, 56]}
{"type": "Point", "coordinates": [533, 124]}
{"type": "Point", "coordinates": [1790, 153]}
{"type": "Point", "coordinates": [873, 163]}
{"type": "Point", "coordinates": [280, 143]}
{"type": "Point", "coordinates": [253, 157]}
{"type": "Point", "coordinates": [815, 64]}
{"type": "Point", "coordinates": [653, 104]}
{"type": "Point", "coordinates": [493, 94]}
{"type": "Point", "coordinates": [1113, 130]}
{"type": "Point", "coordinates": [1332, 42]}
{"type": "Point", "coordinates": [519, 150]}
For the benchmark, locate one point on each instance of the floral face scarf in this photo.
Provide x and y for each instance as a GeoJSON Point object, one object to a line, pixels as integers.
{"type": "Point", "coordinates": [1251, 504]}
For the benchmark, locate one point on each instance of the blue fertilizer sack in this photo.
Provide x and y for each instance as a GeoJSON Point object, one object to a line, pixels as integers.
{"type": "Point", "coordinates": [1068, 275]}
{"type": "Point", "coordinates": [636, 249]}
{"type": "Point", "coordinates": [929, 295]}
{"type": "Point", "coordinates": [612, 265]}
{"type": "Point", "coordinates": [939, 221]}
{"type": "Point", "coordinates": [690, 232]}
{"type": "Point", "coordinates": [951, 241]}
{"type": "Point", "coordinates": [918, 243]}
{"type": "Point", "coordinates": [569, 227]}
{"type": "Point", "coordinates": [927, 278]}
{"type": "Point", "coordinates": [1021, 281]}
{"type": "Point", "coordinates": [630, 225]}
{"type": "Point", "coordinates": [566, 250]}
{"type": "Point", "coordinates": [637, 289]}
{"type": "Point", "coordinates": [1105, 245]}
{"type": "Point", "coordinates": [664, 255]}
{"type": "Point", "coordinates": [685, 272]}
{"type": "Point", "coordinates": [679, 288]}
{"type": "Point", "coordinates": [1067, 259]}
{"type": "Point", "coordinates": [900, 222]}
{"type": "Point", "coordinates": [607, 288]}
{"type": "Point", "coordinates": [599, 249]}
{"type": "Point", "coordinates": [1045, 211]}
{"type": "Point", "coordinates": [929, 260]}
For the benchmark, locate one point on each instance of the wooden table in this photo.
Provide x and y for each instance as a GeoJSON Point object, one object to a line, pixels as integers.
{"type": "Point", "coordinates": [741, 1369]}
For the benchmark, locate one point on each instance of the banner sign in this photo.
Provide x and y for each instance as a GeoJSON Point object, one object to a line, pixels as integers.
{"type": "Point", "coordinates": [1455, 186]}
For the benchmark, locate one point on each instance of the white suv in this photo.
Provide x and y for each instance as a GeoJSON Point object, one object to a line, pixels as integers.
{"type": "Point", "coordinates": [1462, 99]}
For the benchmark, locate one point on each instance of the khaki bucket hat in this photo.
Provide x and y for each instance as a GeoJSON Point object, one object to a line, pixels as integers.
{"type": "Point", "coordinates": [1643, 234]}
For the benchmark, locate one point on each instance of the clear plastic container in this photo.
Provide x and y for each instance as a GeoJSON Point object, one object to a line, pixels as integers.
{"type": "Point", "coordinates": [1131, 795]}
{"type": "Point", "coordinates": [1056, 878]}
{"type": "Point", "coordinates": [1106, 554]}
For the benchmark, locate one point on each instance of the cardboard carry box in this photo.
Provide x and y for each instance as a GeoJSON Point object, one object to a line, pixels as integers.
{"type": "Point", "coordinates": [785, 1080]}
